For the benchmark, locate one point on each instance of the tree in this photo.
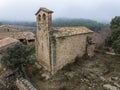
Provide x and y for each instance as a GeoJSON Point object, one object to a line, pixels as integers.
{"type": "Point", "coordinates": [116, 45]}
{"type": "Point", "coordinates": [19, 56]}
{"type": "Point", "coordinates": [115, 23]}
{"type": "Point", "coordinates": [114, 39]}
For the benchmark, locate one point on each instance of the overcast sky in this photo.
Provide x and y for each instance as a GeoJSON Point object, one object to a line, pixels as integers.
{"type": "Point", "coordinates": [24, 10]}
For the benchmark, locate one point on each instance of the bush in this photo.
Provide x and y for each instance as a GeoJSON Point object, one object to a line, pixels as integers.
{"type": "Point", "coordinates": [114, 39]}
{"type": "Point", "coordinates": [116, 45]}
{"type": "Point", "coordinates": [18, 56]}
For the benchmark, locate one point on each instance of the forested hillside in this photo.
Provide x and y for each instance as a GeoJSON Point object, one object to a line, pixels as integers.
{"type": "Point", "coordinates": [19, 23]}
{"type": "Point", "coordinates": [60, 22]}
{"type": "Point", "coordinates": [93, 25]}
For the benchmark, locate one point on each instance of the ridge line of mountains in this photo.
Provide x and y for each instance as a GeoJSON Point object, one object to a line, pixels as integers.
{"type": "Point", "coordinates": [60, 22]}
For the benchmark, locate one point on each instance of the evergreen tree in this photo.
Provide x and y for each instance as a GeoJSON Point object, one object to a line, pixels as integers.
{"type": "Point", "coordinates": [114, 39]}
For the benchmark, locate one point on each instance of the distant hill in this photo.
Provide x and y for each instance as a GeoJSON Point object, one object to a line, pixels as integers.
{"type": "Point", "coordinates": [60, 22]}
{"type": "Point", "coordinates": [91, 24]}
{"type": "Point", "coordinates": [19, 23]}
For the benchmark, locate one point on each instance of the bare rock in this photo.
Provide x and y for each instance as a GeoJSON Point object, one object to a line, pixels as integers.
{"type": "Point", "coordinates": [115, 78]}
{"type": "Point", "coordinates": [70, 74]}
{"type": "Point", "coordinates": [109, 87]}
{"type": "Point", "coordinates": [38, 66]}
{"type": "Point", "coordinates": [46, 76]}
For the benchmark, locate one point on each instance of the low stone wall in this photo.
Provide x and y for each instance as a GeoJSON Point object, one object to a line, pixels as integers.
{"type": "Point", "coordinates": [90, 50]}
{"type": "Point", "coordinates": [24, 84]}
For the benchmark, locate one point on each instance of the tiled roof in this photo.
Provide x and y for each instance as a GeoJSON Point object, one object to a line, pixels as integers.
{"type": "Point", "coordinates": [44, 9]}
{"type": "Point", "coordinates": [7, 41]}
{"type": "Point", "coordinates": [4, 35]}
{"type": "Point", "coordinates": [23, 35]}
{"type": "Point", "coordinates": [69, 31]}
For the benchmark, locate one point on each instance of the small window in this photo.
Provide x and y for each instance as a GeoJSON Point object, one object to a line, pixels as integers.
{"type": "Point", "coordinates": [44, 17]}
{"type": "Point", "coordinates": [39, 17]}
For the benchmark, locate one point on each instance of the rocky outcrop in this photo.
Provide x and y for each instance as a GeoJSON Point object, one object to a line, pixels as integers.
{"type": "Point", "coordinates": [24, 84]}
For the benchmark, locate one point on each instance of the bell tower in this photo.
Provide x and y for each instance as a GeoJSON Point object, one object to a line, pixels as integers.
{"type": "Point", "coordinates": [44, 22]}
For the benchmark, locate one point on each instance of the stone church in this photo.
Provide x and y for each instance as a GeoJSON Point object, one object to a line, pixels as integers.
{"type": "Point", "coordinates": [58, 46]}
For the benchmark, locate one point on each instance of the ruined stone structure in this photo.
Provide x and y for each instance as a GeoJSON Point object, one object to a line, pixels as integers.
{"type": "Point", "coordinates": [26, 37]}
{"type": "Point", "coordinates": [57, 46]}
{"type": "Point", "coordinates": [7, 42]}
{"type": "Point", "coordinates": [6, 30]}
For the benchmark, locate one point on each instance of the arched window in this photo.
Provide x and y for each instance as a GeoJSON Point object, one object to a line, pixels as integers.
{"type": "Point", "coordinates": [44, 17]}
{"type": "Point", "coordinates": [39, 17]}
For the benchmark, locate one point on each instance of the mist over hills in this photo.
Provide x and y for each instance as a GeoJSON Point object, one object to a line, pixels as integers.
{"type": "Point", "coordinates": [60, 22]}
{"type": "Point", "coordinates": [91, 24]}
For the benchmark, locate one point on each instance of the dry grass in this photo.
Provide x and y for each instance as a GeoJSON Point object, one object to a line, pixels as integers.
{"type": "Point", "coordinates": [80, 75]}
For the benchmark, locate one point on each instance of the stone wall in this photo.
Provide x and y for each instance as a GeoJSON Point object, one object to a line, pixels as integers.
{"type": "Point", "coordinates": [67, 49]}
{"type": "Point", "coordinates": [90, 50]}
{"type": "Point", "coordinates": [42, 39]}
{"type": "Point", "coordinates": [6, 30]}
{"type": "Point", "coordinates": [54, 51]}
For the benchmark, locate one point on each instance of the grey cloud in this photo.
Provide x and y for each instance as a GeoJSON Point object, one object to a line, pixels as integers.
{"type": "Point", "coordinates": [24, 10]}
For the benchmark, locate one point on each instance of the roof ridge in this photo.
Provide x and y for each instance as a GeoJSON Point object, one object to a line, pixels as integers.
{"type": "Point", "coordinates": [44, 9]}
{"type": "Point", "coordinates": [69, 31]}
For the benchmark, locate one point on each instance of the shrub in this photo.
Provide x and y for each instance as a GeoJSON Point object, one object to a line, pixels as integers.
{"type": "Point", "coordinates": [18, 56]}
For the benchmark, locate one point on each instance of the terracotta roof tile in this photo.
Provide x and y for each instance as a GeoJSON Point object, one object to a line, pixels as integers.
{"type": "Point", "coordinates": [68, 31]}
{"type": "Point", "coordinates": [7, 41]}
{"type": "Point", "coordinates": [23, 35]}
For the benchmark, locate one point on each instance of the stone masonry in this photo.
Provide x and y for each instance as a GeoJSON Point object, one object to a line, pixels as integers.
{"type": "Point", "coordinates": [58, 46]}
